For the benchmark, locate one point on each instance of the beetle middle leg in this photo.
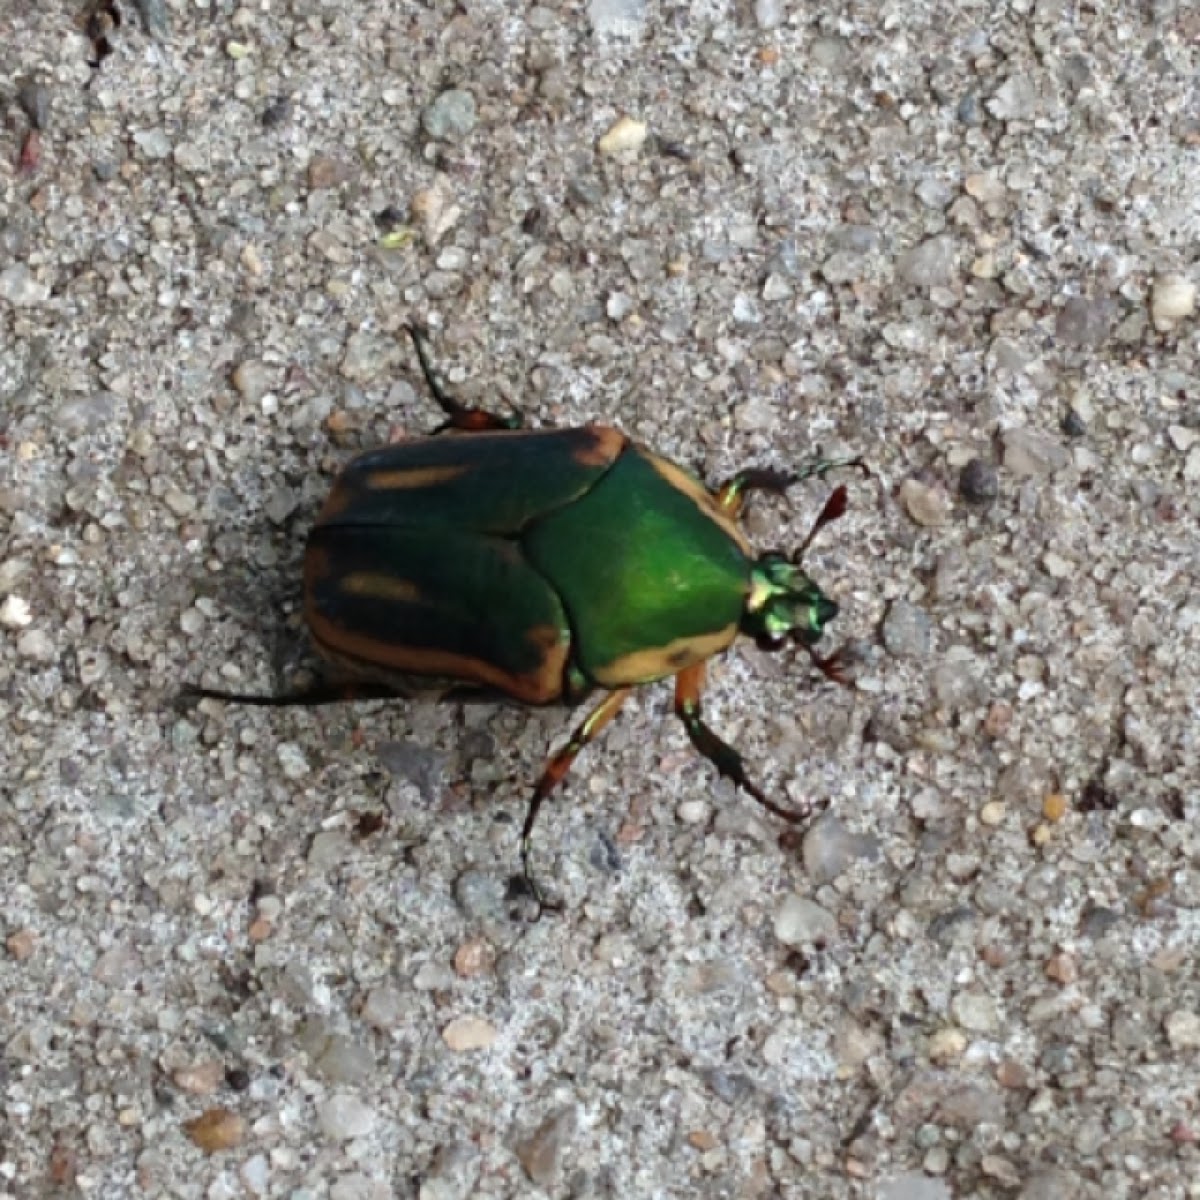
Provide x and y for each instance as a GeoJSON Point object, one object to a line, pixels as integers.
{"type": "Point", "coordinates": [461, 415]}
{"type": "Point", "coordinates": [553, 774]}
{"type": "Point", "coordinates": [688, 685]}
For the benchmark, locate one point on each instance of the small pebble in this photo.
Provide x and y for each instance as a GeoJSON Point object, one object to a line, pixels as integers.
{"type": "Point", "coordinates": [1014, 100]}
{"type": "Point", "coordinates": [803, 922]}
{"type": "Point", "coordinates": [251, 380]}
{"type": "Point", "coordinates": [625, 136]}
{"type": "Point", "coordinates": [1183, 1029]}
{"type": "Point", "coordinates": [1032, 454]}
{"type": "Point", "coordinates": [541, 1154]}
{"type": "Point", "coordinates": [217, 1129]}
{"type": "Point", "coordinates": [947, 1045]}
{"type": "Point", "coordinates": [343, 1060]}
{"type": "Point", "coordinates": [1054, 806]}
{"type": "Point", "coordinates": [928, 506]}
{"type": "Point", "coordinates": [20, 945]}
{"type": "Point", "coordinates": [291, 760]}
{"type": "Point", "coordinates": [37, 645]}
{"type": "Point", "coordinates": [975, 1011]}
{"type": "Point", "coordinates": [830, 849]}
{"type": "Point", "coordinates": [474, 957]}
{"type": "Point", "coordinates": [14, 612]}
{"type": "Point", "coordinates": [913, 1185]}
{"type": "Point", "coordinates": [20, 288]}
{"type": "Point", "coordinates": [992, 813]}
{"type": "Point", "coordinates": [34, 99]}
{"type": "Point", "coordinates": [1172, 298]}
{"type": "Point", "coordinates": [979, 482]}
{"type": "Point", "coordinates": [469, 1033]}
{"type": "Point", "coordinates": [199, 1079]}
{"type": "Point", "coordinates": [906, 631]}
{"type": "Point", "coordinates": [768, 13]}
{"type": "Point", "coordinates": [344, 1117]}
{"type": "Point", "coordinates": [933, 263]}
{"type": "Point", "coordinates": [1062, 968]}
{"type": "Point", "coordinates": [451, 116]}
{"type": "Point", "coordinates": [1085, 321]}
{"type": "Point", "coordinates": [384, 1008]}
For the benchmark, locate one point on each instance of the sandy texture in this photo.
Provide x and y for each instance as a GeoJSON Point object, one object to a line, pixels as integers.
{"type": "Point", "coordinates": [271, 953]}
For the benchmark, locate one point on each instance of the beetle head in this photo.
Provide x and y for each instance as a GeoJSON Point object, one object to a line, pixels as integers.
{"type": "Point", "coordinates": [784, 603]}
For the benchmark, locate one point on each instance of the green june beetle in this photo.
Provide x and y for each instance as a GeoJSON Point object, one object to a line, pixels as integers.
{"type": "Point", "coordinates": [491, 562]}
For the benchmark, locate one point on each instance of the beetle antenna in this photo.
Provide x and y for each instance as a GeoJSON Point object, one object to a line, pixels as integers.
{"type": "Point", "coordinates": [835, 507]}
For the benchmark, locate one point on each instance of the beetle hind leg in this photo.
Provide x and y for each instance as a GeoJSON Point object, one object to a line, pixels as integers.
{"type": "Point", "coordinates": [461, 416]}
{"type": "Point", "coordinates": [553, 774]}
{"type": "Point", "coordinates": [688, 684]}
{"type": "Point", "coordinates": [320, 692]}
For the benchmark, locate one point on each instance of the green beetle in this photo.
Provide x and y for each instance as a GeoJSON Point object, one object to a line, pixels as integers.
{"type": "Point", "coordinates": [541, 566]}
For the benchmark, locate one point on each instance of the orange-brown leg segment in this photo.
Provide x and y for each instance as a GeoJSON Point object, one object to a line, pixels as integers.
{"type": "Point", "coordinates": [554, 773]}
{"type": "Point", "coordinates": [688, 685]}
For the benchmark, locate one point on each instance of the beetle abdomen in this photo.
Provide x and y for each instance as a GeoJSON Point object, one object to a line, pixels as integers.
{"type": "Point", "coordinates": [397, 602]}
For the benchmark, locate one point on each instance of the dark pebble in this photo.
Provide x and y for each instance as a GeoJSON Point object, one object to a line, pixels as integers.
{"type": "Point", "coordinates": [979, 483]}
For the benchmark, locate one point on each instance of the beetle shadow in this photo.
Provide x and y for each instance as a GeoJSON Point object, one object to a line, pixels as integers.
{"type": "Point", "coordinates": [258, 597]}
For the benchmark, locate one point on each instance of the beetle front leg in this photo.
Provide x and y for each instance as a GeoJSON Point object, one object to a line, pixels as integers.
{"type": "Point", "coordinates": [461, 416]}
{"type": "Point", "coordinates": [688, 685]}
{"type": "Point", "coordinates": [553, 774]}
{"type": "Point", "coordinates": [731, 495]}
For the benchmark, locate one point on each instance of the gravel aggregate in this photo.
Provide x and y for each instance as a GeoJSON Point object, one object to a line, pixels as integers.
{"type": "Point", "coordinates": [265, 953]}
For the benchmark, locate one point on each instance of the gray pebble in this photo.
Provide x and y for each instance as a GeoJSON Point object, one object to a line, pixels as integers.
{"type": "Point", "coordinates": [768, 13]}
{"type": "Point", "coordinates": [343, 1060]}
{"type": "Point", "coordinates": [616, 18]}
{"type": "Point", "coordinates": [906, 631]}
{"type": "Point", "coordinates": [481, 896]}
{"type": "Point", "coordinates": [451, 116]}
{"type": "Point", "coordinates": [19, 287]}
{"type": "Point", "coordinates": [153, 143]}
{"type": "Point", "coordinates": [979, 482]}
{"type": "Point", "coordinates": [34, 99]}
{"type": "Point", "coordinates": [933, 263]}
{"type": "Point", "coordinates": [1032, 454]}
{"type": "Point", "coordinates": [37, 645]}
{"type": "Point", "coordinates": [1085, 321]}
{"type": "Point", "coordinates": [975, 1011]}
{"type": "Point", "coordinates": [384, 1008]}
{"type": "Point", "coordinates": [416, 764]}
{"type": "Point", "coordinates": [914, 1186]}
{"type": "Point", "coordinates": [830, 849]}
{"type": "Point", "coordinates": [1015, 99]}
{"type": "Point", "coordinates": [803, 922]}
{"type": "Point", "coordinates": [344, 1117]}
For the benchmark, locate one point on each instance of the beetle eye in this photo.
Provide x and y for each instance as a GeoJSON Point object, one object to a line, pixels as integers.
{"type": "Point", "coordinates": [769, 643]}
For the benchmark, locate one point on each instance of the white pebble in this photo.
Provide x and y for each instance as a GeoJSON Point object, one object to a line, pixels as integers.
{"type": "Point", "coordinates": [625, 136]}
{"type": "Point", "coordinates": [1172, 298]}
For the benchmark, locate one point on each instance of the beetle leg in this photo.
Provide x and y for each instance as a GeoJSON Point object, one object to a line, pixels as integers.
{"type": "Point", "coordinates": [461, 416]}
{"type": "Point", "coordinates": [553, 773]}
{"type": "Point", "coordinates": [688, 684]}
{"type": "Point", "coordinates": [322, 692]}
{"type": "Point", "coordinates": [731, 495]}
